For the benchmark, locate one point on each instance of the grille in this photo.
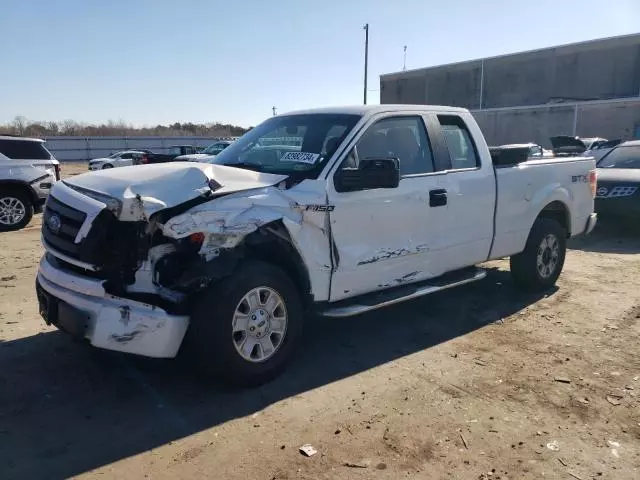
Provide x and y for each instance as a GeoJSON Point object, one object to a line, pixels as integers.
{"type": "Point", "coordinates": [114, 248]}
{"type": "Point", "coordinates": [61, 232]}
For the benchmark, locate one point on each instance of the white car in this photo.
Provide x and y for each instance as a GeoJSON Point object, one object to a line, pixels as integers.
{"type": "Point", "coordinates": [205, 155]}
{"type": "Point", "coordinates": [27, 172]}
{"type": "Point", "coordinates": [385, 204]}
{"type": "Point", "coordinates": [125, 158]}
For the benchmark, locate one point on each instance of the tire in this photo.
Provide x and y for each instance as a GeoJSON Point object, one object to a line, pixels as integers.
{"type": "Point", "coordinates": [527, 273]}
{"type": "Point", "coordinates": [107, 165]}
{"type": "Point", "coordinates": [212, 342]}
{"type": "Point", "coordinates": [16, 209]}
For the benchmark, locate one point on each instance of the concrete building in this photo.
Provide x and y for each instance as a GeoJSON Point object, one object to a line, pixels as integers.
{"type": "Point", "coordinates": [586, 89]}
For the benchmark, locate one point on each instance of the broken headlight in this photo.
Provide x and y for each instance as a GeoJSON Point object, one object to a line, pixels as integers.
{"type": "Point", "coordinates": [113, 204]}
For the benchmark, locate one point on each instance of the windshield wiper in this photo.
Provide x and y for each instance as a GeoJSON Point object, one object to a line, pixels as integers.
{"type": "Point", "coordinates": [256, 167]}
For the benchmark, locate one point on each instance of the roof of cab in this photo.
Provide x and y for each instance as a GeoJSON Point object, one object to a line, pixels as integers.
{"type": "Point", "coordinates": [375, 109]}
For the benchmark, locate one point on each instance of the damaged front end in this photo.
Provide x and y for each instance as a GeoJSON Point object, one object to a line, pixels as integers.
{"type": "Point", "coordinates": [164, 249]}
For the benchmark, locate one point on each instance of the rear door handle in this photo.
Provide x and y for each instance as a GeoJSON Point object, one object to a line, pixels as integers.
{"type": "Point", "coordinates": [437, 198]}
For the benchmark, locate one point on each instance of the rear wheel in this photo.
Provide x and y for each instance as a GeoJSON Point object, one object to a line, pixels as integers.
{"type": "Point", "coordinates": [538, 267]}
{"type": "Point", "coordinates": [244, 330]}
{"type": "Point", "coordinates": [16, 209]}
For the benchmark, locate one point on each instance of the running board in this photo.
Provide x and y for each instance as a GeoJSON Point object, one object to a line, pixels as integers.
{"type": "Point", "coordinates": [385, 298]}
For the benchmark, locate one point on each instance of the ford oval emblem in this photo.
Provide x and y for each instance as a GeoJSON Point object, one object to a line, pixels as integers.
{"type": "Point", "coordinates": [54, 223]}
{"type": "Point", "coordinates": [601, 192]}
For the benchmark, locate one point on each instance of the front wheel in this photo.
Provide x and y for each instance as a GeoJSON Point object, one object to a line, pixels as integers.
{"type": "Point", "coordinates": [244, 329]}
{"type": "Point", "coordinates": [16, 209]}
{"type": "Point", "coordinates": [107, 165]}
{"type": "Point", "coordinates": [539, 265]}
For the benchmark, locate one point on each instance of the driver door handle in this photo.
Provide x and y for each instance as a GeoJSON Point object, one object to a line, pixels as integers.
{"type": "Point", "coordinates": [437, 198]}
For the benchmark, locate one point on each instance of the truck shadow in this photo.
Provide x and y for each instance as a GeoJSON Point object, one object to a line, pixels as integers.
{"type": "Point", "coordinates": [66, 409]}
{"type": "Point", "coordinates": [609, 237]}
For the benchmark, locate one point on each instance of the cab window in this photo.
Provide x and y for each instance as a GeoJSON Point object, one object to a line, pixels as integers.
{"type": "Point", "coordinates": [462, 150]}
{"type": "Point", "coordinates": [404, 138]}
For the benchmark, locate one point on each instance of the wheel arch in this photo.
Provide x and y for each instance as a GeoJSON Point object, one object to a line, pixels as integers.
{"type": "Point", "coordinates": [559, 211]}
{"type": "Point", "coordinates": [272, 243]}
{"type": "Point", "coordinates": [21, 186]}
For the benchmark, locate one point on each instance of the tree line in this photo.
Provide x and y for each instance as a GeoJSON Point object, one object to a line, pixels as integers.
{"type": "Point", "coordinates": [27, 128]}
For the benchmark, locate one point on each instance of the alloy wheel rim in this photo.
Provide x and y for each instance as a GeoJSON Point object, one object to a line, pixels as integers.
{"type": "Point", "coordinates": [12, 211]}
{"type": "Point", "coordinates": [548, 256]}
{"type": "Point", "coordinates": [259, 324]}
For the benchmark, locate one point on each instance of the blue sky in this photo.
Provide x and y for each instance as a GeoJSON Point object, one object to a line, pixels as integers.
{"type": "Point", "coordinates": [159, 61]}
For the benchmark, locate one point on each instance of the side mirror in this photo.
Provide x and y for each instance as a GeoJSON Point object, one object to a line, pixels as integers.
{"type": "Point", "coordinates": [370, 174]}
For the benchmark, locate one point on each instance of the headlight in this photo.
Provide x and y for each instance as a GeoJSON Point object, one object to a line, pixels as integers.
{"type": "Point", "coordinates": [113, 204]}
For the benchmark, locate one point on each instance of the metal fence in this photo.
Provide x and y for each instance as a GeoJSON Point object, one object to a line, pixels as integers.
{"type": "Point", "coordinates": [86, 148]}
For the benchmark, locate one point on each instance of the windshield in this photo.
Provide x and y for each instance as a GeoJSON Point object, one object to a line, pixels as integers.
{"type": "Point", "coordinates": [115, 155]}
{"type": "Point", "coordinates": [289, 144]}
{"type": "Point", "coordinates": [622, 157]}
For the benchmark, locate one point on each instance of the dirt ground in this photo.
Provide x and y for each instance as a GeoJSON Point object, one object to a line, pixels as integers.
{"type": "Point", "coordinates": [481, 382]}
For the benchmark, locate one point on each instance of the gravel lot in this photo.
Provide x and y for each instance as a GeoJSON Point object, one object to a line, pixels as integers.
{"type": "Point", "coordinates": [481, 382]}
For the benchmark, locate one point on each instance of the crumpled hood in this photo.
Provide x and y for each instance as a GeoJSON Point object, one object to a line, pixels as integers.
{"type": "Point", "coordinates": [147, 189]}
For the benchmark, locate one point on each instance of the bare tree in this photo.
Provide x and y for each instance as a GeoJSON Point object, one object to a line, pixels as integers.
{"type": "Point", "coordinates": [20, 124]}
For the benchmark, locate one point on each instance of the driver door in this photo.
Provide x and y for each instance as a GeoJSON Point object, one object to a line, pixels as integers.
{"type": "Point", "coordinates": [383, 236]}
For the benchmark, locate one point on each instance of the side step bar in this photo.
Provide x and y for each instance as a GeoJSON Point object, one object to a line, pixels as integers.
{"type": "Point", "coordinates": [385, 298]}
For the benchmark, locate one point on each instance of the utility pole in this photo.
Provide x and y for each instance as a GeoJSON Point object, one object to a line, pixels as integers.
{"type": "Point", "coordinates": [274, 110]}
{"type": "Point", "coordinates": [404, 63]}
{"type": "Point", "coordinates": [366, 59]}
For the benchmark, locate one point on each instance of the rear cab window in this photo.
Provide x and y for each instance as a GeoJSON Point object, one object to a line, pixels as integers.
{"type": "Point", "coordinates": [462, 149]}
{"type": "Point", "coordinates": [24, 150]}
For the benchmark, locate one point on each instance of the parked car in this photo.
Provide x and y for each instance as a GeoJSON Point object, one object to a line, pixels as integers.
{"type": "Point", "coordinates": [618, 192]}
{"type": "Point", "coordinates": [376, 205]}
{"type": "Point", "coordinates": [127, 158]}
{"type": "Point", "coordinates": [533, 149]}
{"type": "Point", "coordinates": [600, 149]}
{"type": "Point", "coordinates": [174, 152]}
{"type": "Point", "coordinates": [566, 145]}
{"type": "Point", "coordinates": [124, 158]}
{"type": "Point", "coordinates": [205, 154]}
{"type": "Point", "coordinates": [592, 143]}
{"type": "Point", "coordinates": [27, 172]}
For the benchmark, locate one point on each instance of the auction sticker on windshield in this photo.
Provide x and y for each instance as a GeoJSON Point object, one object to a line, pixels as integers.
{"type": "Point", "coordinates": [300, 157]}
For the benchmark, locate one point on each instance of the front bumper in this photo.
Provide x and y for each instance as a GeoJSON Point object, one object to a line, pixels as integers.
{"type": "Point", "coordinates": [81, 307]}
{"type": "Point", "coordinates": [591, 223]}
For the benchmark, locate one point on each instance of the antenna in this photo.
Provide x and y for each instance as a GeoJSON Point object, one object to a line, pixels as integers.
{"type": "Point", "coordinates": [404, 64]}
{"type": "Point", "coordinates": [274, 110]}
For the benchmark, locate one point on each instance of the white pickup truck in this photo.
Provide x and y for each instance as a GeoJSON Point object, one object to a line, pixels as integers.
{"type": "Point", "coordinates": [377, 205]}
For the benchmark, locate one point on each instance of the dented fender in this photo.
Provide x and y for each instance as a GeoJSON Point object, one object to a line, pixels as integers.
{"type": "Point", "coordinates": [227, 220]}
{"type": "Point", "coordinates": [235, 215]}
